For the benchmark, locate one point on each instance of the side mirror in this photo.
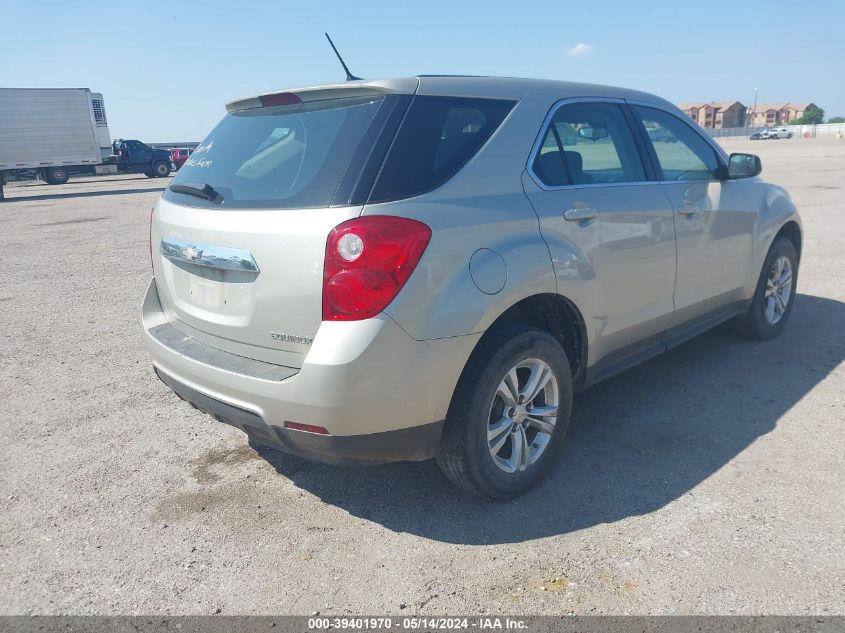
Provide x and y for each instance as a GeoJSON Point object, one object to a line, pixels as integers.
{"type": "Point", "coordinates": [593, 133]}
{"type": "Point", "coordinates": [744, 166]}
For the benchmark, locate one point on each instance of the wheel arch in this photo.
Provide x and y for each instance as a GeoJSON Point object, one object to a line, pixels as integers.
{"type": "Point", "coordinates": [791, 230]}
{"type": "Point", "coordinates": [776, 216]}
{"type": "Point", "coordinates": [557, 315]}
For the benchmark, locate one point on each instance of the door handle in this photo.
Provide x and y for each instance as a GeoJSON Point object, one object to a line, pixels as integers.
{"type": "Point", "coordinates": [692, 194]}
{"type": "Point", "coordinates": [579, 215]}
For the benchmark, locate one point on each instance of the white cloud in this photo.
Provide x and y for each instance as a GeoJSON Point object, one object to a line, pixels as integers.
{"type": "Point", "coordinates": [579, 50]}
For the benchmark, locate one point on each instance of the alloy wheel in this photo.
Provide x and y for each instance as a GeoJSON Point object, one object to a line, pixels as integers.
{"type": "Point", "coordinates": [522, 415]}
{"type": "Point", "coordinates": [778, 290]}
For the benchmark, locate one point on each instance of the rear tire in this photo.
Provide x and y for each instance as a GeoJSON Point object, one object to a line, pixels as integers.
{"type": "Point", "coordinates": [161, 169]}
{"type": "Point", "coordinates": [775, 293]}
{"type": "Point", "coordinates": [492, 444]}
{"type": "Point", "coordinates": [56, 175]}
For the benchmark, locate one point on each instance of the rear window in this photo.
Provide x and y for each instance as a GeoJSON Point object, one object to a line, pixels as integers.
{"type": "Point", "coordinates": [278, 157]}
{"type": "Point", "coordinates": [438, 136]}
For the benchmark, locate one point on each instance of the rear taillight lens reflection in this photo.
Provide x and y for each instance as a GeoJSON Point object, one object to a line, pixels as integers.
{"type": "Point", "coordinates": [368, 260]}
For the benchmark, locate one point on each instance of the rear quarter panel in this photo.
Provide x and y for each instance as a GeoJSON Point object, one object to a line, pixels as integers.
{"type": "Point", "coordinates": [481, 207]}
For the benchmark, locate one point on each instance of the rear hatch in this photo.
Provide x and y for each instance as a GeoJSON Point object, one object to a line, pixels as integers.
{"type": "Point", "coordinates": [239, 237]}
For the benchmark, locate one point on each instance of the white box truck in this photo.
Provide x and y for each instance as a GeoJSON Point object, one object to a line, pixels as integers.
{"type": "Point", "coordinates": [50, 133]}
{"type": "Point", "coordinates": [52, 130]}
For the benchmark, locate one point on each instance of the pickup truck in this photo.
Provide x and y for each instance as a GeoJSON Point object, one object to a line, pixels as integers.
{"type": "Point", "coordinates": [135, 157]}
{"type": "Point", "coordinates": [180, 155]}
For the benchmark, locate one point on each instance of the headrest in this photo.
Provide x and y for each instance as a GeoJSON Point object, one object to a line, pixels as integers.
{"type": "Point", "coordinates": [550, 168]}
{"type": "Point", "coordinates": [575, 162]}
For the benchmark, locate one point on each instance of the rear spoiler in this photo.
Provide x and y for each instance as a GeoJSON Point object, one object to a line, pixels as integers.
{"type": "Point", "coordinates": [326, 91]}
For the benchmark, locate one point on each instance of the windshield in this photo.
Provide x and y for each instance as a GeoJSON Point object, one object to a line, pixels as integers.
{"type": "Point", "coordinates": [278, 157]}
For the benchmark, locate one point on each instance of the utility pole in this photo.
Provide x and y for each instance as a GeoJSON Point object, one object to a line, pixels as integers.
{"type": "Point", "coordinates": [754, 109]}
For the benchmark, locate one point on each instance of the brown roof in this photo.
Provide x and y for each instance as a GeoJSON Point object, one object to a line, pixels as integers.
{"type": "Point", "coordinates": [765, 107]}
{"type": "Point", "coordinates": [724, 105]}
{"type": "Point", "coordinates": [718, 105]}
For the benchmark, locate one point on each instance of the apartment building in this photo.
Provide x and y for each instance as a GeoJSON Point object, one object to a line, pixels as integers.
{"type": "Point", "coordinates": [716, 114]}
{"type": "Point", "coordinates": [767, 114]}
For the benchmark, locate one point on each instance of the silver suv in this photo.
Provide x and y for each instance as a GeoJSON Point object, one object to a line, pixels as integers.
{"type": "Point", "coordinates": [429, 267]}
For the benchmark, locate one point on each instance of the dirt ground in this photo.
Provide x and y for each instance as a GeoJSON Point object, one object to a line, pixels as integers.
{"type": "Point", "coordinates": [708, 480]}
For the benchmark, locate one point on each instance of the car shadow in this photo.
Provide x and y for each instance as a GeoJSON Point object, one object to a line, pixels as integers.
{"type": "Point", "coordinates": [83, 194]}
{"type": "Point", "coordinates": [636, 442]}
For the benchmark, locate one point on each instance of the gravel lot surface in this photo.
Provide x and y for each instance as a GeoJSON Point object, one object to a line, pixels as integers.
{"type": "Point", "coordinates": [709, 480]}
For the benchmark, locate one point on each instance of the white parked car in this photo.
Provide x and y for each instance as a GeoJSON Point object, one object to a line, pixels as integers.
{"type": "Point", "coordinates": [777, 132]}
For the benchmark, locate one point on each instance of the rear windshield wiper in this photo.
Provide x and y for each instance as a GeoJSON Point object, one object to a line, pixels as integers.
{"type": "Point", "coordinates": [206, 191]}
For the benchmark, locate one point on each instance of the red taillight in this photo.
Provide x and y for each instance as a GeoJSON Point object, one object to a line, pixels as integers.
{"type": "Point", "coordinates": [308, 428]}
{"type": "Point", "coordinates": [368, 260]}
{"type": "Point", "coordinates": [151, 236]}
{"type": "Point", "coordinates": [280, 98]}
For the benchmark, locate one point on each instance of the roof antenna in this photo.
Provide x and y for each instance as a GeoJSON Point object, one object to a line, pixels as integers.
{"type": "Point", "coordinates": [349, 75]}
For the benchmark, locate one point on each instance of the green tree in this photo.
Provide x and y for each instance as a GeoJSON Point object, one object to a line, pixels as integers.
{"type": "Point", "coordinates": [836, 119]}
{"type": "Point", "coordinates": [811, 115]}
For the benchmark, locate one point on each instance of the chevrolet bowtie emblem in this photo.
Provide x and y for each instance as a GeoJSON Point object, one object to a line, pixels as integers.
{"type": "Point", "coordinates": [208, 255]}
{"type": "Point", "coordinates": [191, 253]}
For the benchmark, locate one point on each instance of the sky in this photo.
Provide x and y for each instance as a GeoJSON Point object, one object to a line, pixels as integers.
{"type": "Point", "coordinates": [167, 69]}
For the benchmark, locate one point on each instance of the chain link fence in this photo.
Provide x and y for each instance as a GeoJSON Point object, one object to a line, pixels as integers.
{"type": "Point", "coordinates": [798, 131]}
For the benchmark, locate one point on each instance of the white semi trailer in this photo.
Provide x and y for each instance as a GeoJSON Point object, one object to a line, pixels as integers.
{"type": "Point", "coordinates": [52, 131]}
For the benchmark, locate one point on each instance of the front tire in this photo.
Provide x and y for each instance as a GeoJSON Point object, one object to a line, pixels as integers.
{"type": "Point", "coordinates": [775, 293]}
{"type": "Point", "coordinates": [509, 414]}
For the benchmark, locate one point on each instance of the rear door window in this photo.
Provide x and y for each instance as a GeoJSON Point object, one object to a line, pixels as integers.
{"type": "Point", "coordinates": [438, 136]}
{"type": "Point", "coordinates": [281, 157]}
{"type": "Point", "coordinates": [588, 143]}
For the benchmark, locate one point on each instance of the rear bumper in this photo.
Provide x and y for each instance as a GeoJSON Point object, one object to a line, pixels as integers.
{"type": "Point", "coordinates": [411, 444]}
{"type": "Point", "coordinates": [381, 395]}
